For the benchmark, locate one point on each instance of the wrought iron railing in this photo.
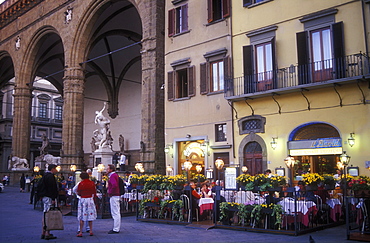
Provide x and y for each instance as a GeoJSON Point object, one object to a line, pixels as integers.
{"type": "Point", "coordinates": [349, 67]}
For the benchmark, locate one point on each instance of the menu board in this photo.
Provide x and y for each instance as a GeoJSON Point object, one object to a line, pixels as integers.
{"type": "Point", "coordinates": [230, 178]}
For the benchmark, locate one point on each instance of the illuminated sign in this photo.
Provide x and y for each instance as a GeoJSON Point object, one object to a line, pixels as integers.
{"type": "Point", "coordinates": [326, 143]}
{"type": "Point", "coordinates": [318, 151]}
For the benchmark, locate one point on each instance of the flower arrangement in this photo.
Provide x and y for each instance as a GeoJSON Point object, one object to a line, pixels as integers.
{"type": "Point", "coordinates": [172, 182]}
{"type": "Point", "coordinates": [277, 211]}
{"type": "Point", "coordinates": [246, 180]}
{"type": "Point", "coordinates": [164, 204]}
{"type": "Point", "coordinates": [329, 179]}
{"type": "Point", "coordinates": [312, 178]}
{"type": "Point", "coordinates": [225, 208]}
{"type": "Point", "coordinates": [199, 178]}
{"type": "Point", "coordinates": [277, 181]}
{"type": "Point", "coordinates": [138, 180]}
{"type": "Point", "coordinates": [244, 212]}
{"type": "Point", "coordinates": [359, 183]}
{"type": "Point", "coordinates": [105, 178]}
{"type": "Point", "coordinates": [153, 182]}
{"type": "Point", "coordinates": [177, 209]}
{"type": "Point", "coordinates": [262, 181]}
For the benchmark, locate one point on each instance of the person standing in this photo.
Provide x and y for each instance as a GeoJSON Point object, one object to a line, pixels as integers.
{"type": "Point", "coordinates": [115, 158]}
{"type": "Point", "coordinates": [114, 199]}
{"type": "Point", "coordinates": [28, 182]}
{"type": "Point", "coordinates": [86, 207]}
{"type": "Point", "coordinates": [22, 182]}
{"type": "Point", "coordinates": [49, 194]}
{"type": "Point", "coordinates": [122, 162]}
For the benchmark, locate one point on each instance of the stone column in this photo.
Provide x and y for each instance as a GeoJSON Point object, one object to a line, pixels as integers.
{"type": "Point", "coordinates": [152, 125]}
{"type": "Point", "coordinates": [21, 122]}
{"type": "Point", "coordinates": [72, 146]}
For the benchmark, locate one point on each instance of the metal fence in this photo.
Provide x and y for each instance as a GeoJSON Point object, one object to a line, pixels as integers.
{"type": "Point", "coordinates": [348, 67]}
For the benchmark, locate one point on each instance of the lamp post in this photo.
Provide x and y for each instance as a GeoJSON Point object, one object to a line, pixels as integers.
{"type": "Point", "coordinates": [187, 167]}
{"type": "Point", "coordinates": [36, 169]}
{"type": "Point", "coordinates": [198, 168]}
{"type": "Point", "coordinates": [219, 165]}
{"type": "Point", "coordinates": [139, 168]}
{"type": "Point", "coordinates": [344, 160]}
{"type": "Point", "coordinates": [244, 169]}
{"type": "Point", "coordinates": [290, 161]}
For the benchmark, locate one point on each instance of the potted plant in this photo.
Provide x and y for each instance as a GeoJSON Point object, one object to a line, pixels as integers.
{"type": "Point", "coordinates": [175, 182]}
{"type": "Point", "coordinates": [312, 180]}
{"type": "Point", "coordinates": [246, 181]}
{"type": "Point", "coordinates": [278, 182]}
{"type": "Point", "coordinates": [360, 186]}
{"type": "Point", "coordinates": [329, 182]}
{"type": "Point", "coordinates": [262, 182]}
{"type": "Point", "coordinates": [153, 182]}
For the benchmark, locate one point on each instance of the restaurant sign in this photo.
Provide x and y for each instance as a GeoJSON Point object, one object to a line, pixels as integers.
{"type": "Point", "coordinates": [317, 143]}
{"type": "Point", "coordinates": [318, 151]}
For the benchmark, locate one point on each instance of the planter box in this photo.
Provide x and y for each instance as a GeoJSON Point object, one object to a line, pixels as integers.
{"type": "Point", "coordinates": [362, 193]}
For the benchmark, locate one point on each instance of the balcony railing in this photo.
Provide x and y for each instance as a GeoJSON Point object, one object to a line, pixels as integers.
{"type": "Point", "coordinates": [350, 67]}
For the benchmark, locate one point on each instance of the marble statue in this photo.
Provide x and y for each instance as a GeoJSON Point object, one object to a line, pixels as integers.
{"type": "Point", "coordinates": [50, 159]}
{"type": "Point", "coordinates": [45, 145]}
{"type": "Point", "coordinates": [19, 163]}
{"type": "Point", "coordinates": [121, 141]}
{"type": "Point", "coordinates": [101, 134]}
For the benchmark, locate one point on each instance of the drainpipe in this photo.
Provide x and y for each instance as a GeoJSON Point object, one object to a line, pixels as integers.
{"type": "Point", "coordinates": [232, 69]}
{"type": "Point", "coordinates": [365, 26]}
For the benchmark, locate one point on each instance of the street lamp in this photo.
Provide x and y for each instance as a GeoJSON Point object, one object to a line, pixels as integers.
{"type": "Point", "coordinates": [187, 167]}
{"type": "Point", "coordinates": [290, 161]}
{"type": "Point", "coordinates": [244, 169]}
{"type": "Point", "coordinates": [139, 167]}
{"type": "Point", "coordinates": [36, 169]}
{"type": "Point", "coordinates": [351, 139]}
{"type": "Point", "coordinates": [219, 165]}
{"type": "Point", "coordinates": [58, 168]}
{"type": "Point", "coordinates": [198, 168]}
{"type": "Point", "coordinates": [73, 168]}
{"type": "Point", "coordinates": [344, 159]}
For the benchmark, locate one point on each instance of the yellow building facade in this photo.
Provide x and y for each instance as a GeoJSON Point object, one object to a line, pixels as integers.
{"type": "Point", "coordinates": [301, 84]}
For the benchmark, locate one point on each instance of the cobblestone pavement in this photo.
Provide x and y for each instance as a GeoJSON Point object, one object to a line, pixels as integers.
{"type": "Point", "coordinates": [19, 222]}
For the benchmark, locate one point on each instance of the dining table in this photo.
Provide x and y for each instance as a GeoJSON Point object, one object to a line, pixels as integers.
{"type": "Point", "coordinates": [335, 208]}
{"type": "Point", "coordinates": [302, 210]}
{"type": "Point", "coordinates": [205, 204]}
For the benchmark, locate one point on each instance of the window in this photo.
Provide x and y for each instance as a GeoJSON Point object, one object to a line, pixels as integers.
{"type": "Point", "coordinates": [178, 20]}
{"type": "Point", "coordinates": [220, 132]}
{"type": "Point", "coordinates": [259, 69]}
{"type": "Point", "coordinates": [43, 110]}
{"type": "Point", "coordinates": [214, 72]}
{"type": "Point", "coordinates": [250, 2]}
{"type": "Point", "coordinates": [181, 83]}
{"type": "Point", "coordinates": [218, 9]}
{"type": "Point", "coordinates": [249, 124]}
{"type": "Point", "coordinates": [58, 112]}
{"type": "Point", "coordinates": [217, 76]}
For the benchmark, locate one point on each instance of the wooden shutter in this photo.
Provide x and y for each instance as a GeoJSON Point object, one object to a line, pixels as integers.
{"type": "Point", "coordinates": [210, 11]}
{"type": "Point", "coordinates": [303, 58]}
{"type": "Point", "coordinates": [227, 68]}
{"type": "Point", "coordinates": [191, 80]}
{"type": "Point", "coordinates": [248, 60]}
{"type": "Point", "coordinates": [338, 49]}
{"type": "Point", "coordinates": [184, 10]}
{"type": "Point", "coordinates": [204, 78]}
{"type": "Point", "coordinates": [171, 22]}
{"type": "Point", "coordinates": [170, 85]}
{"type": "Point", "coordinates": [226, 8]}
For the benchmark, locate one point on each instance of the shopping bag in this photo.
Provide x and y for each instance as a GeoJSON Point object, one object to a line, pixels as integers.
{"type": "Point", "coordinates": [53, 219]}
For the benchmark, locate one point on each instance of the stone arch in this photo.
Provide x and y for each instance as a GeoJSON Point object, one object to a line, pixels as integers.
{"type": "Point", "coordinates": [252, 137]}
{"type": "Point", "coordinates": [7, 67]}
{"type": "Point", "coordinates": [314, 130]}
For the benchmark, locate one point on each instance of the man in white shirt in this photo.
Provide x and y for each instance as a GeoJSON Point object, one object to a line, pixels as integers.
{"type": "Point", "coordinates": [122, 162]}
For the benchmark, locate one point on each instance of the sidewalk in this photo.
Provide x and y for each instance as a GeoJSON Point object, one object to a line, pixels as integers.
{"type": "Point", "coordinates": [21, 223]}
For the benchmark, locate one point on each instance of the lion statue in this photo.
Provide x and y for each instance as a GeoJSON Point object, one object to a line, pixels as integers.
{"type": "Point", "coordinates": [19, 163]}
{"type": "Point", "coordinates": [50, 159]}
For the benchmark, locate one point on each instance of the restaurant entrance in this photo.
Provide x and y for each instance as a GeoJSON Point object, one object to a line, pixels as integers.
{"type": "Point", "coordinates": [322, 164]}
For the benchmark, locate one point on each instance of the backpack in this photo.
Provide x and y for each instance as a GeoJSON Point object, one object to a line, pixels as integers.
{"type": "Point", "coordinates": [41, 189]}
{"type": "Point", "coordinates": [121, 185]}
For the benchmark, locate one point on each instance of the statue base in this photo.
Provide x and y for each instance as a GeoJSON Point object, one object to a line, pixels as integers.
{"type": "Point", "coordinates": [103, 156]}
{"type": "Point", "coordinates": [21, 169]}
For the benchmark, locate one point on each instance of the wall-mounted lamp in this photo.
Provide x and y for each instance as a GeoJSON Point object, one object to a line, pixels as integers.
{"type": "Point", "coordinates": [168, 148]}
{"type": "Point", "coordinates": [273, 143]}
{"type": "Point", "coordinates": [204, 147]}
{"type": "Point", "coordinates": [351, 139]}
{"type": "Point", "coordinates": [209, 173]}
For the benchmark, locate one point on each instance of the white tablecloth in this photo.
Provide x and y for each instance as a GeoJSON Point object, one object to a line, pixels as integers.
{"type": "Point", "coordinates": [333, 202]}
{"type": "Point", "coordinates": [205, 201]}
{"type": "Point", "coordinates": [302, 206]}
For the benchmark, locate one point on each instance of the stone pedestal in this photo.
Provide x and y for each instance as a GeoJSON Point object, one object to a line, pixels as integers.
{"type": "Point", "coordinates": [103, 156]}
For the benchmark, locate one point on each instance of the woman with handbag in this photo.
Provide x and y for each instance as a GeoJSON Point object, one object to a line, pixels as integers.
{"type": "Point", "coordinates": [86, 206]}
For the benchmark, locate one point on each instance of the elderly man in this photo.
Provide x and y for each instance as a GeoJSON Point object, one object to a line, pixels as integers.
{"type": "Point", "coordinates": [115, 198]}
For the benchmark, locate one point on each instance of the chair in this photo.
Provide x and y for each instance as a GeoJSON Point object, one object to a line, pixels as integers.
{"type": "Point", "coordinates": [187, 206]}
{"type": "Point", "coordinates": [364, 211]}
